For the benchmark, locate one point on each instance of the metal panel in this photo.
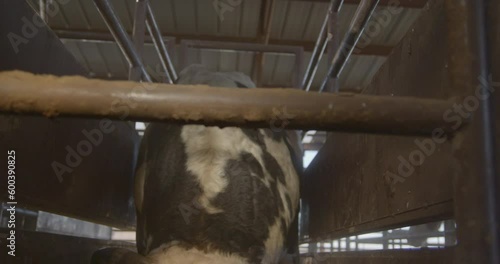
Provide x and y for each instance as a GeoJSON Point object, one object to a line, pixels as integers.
{"type": "Point", "coordinates": [385, 257]}
{"type": "Point", "coordinates": [17, 48]}
{"type": "Point", "coordinates": [99, 189]}
{"type": "Point", "coordinates": [99, 186]}
{"type": "Point", "coordinates": [493, 8]}
{"type": "Point", "coordinates": [58, 224]}
{"type": "Point", "coordinates": [349, 184]}
{"type": "Point", "coordinates": [38, 247]}
{"type": "Point", "coordinates": [476, 181]}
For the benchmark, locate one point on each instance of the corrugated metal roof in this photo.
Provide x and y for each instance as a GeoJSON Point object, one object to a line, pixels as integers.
{"type": "Point", "coordinates": [292, 20]}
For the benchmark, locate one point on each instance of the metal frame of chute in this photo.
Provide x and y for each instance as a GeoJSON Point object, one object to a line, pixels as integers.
{"type": "Point", "coordinates": [132, 48]}
{"type": "Point", "coordinates": [338, 52]}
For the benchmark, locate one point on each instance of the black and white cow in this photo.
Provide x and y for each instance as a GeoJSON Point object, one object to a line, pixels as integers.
{"type": "Point", "coordinates": [210, 195]}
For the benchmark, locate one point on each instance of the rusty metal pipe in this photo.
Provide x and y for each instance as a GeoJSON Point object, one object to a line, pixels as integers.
{"type": "Point", "coordinates": [26, 93]}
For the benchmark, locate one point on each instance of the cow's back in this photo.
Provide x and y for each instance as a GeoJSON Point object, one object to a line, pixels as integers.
{"type": "Point", "coordinates": [209, 189]}
{"type": "Point", "coordinates": [226, 195]}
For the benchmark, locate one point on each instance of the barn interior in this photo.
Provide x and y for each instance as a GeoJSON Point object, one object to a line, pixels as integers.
{"type": "Point", "coordinates": [378, 185]}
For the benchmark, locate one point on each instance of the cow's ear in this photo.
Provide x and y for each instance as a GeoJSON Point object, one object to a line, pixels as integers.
{"type": "Point", "coordinates": [118, 256]}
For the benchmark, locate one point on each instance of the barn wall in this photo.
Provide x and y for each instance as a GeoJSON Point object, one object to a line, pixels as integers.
{"type": "Point", "coordinates": [39, 247]}
{"type": "Point", "coordinates": [494, 45]}
{"type": "Point", "coordinates": [348, 188]}
{"type": "Point", "coordinates": [96, 187]}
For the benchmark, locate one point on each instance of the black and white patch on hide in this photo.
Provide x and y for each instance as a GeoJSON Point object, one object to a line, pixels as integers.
{"type": "Point", "coordinates": [215, 195]}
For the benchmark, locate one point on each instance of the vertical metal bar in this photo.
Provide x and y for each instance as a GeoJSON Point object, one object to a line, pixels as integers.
{"type": "Point", "coordinates": [449, 233]}
{"type": "Point", "coordinates": [160, 45]}
{"type": "Point", "coordinates": [163, 62]}
{"type": "Point", "coordinates": [361, 17]}
{"type": "Point", "coordinates": [43, 10]}
{"type": "Point", "coordinates": [184, 59]}
{"type": "Point", "coordinates": [316, 64]}
{"type": "Point", "coordinates": [333, 43]}
{"type": "Point", "coordinates": [476, 200]}
{"type": "Point", "coordinates": [138, 35]}
{"type": "Point", "coordinates": [332, 40]}
{"type": "Point", "coordinates": [266, 17]}
{"type": "Point", "coordinates": [120, 35]}
{"type": "Point", "coordinates": [313, 61]}
{"type": "Point", "coordinates": [493, 26]}
{"type": "Point", "coordinates": [299, 61]}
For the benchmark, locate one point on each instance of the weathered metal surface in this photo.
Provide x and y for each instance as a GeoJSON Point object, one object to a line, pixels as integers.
{"type": "Point", "coordinates": [353, 185]}
{"type": "Point", "coordinates": [26, 93]}
{"type": "Point", "coordinates": [476, 180]}
{"type": "Point", "coordinates": [383, 257]}
{"type": "Point", "coordinates": [38, 247]}
{"type": "Point", "coordinates": [99, 188]}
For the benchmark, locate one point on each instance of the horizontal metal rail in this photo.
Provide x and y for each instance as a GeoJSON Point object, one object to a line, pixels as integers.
{"type": "Point", "coordinates": [219, 45]}
{"type": "Point", "coordinates": [26, 93]}
{"type": "Point", "coordinates": [100, 37]}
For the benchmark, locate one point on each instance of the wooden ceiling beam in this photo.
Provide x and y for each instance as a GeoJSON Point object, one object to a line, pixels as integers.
{"type": "Point", "coordinates": [374, 50]}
